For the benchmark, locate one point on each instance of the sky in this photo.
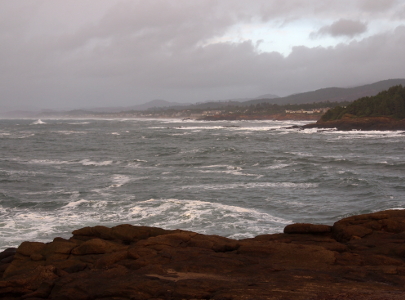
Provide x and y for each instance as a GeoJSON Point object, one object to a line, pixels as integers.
{"type": "Point", "coordinates": [94, 53]}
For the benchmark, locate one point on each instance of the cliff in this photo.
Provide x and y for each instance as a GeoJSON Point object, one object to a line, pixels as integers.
{"type": "Point", "coordinates": [359, 257]}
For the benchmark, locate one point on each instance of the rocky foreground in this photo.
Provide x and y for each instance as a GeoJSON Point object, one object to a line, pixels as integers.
{"type": "Point", "coordinates": [360, 257]}
{"type": "Point", "coordinates": [364, 123]}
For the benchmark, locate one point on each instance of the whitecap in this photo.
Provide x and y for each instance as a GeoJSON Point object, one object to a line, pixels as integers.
{"type": "Point", "coordinates": [37, 122]}
{"type": "Point", "coordinates": [4, 134]}
{"type": "Point", "coordinates": [206, 217]}
{"type": "Point", "coordinates": [88, 162]}
{"type": "Point", "coordinates": [79, 123]}
{"type": "Point", "coordinates": [119, 180]}
{"type": "Point", "coordinates": [75, 203]}
{"type": "Point", "coordinates": [48, 162]}
{"type": "Point", "coordinates": [278, 166]}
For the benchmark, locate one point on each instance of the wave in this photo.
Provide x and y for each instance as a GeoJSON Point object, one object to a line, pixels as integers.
{"type": "Point", "coordinates": [38, 122]}
{"type": "Point", "coordinates": [195, 215]}
{"type": "Point", "coordinates": [88, 162]}
{"type": "Point", "coordinates": [69, 132]}
{"type": "Point", "coordinates": [49, 162]}
{"type": "Point", "coordinates": [251, 185]}
{"type": "Point", "coordinates": [5, 134]}
{"type": "Point", "coordinates": [119, 180]}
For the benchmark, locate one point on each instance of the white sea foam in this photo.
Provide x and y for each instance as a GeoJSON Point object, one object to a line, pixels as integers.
{"type": "Point", "coordinates": [38, 122]}
{"type": "Point", "coordinates": [4, 134]}
{"type": "Point", "coordinates": [75, 204]}
{"type": "Point", "coordinates": [200, 216]}
{"type": "Point", "coordinates": [310, 130]}
{"type": "Point", "coordinates": [119, 180]}
{"type": "Point", "coordinates": [277, 166]}
{"type": "Point", "coordinates": [69, 132]}
{"type": "Point", "coordinates": [228, 170]}
{"type": "Point", "coordinates": [88, 162]}
{"type": "Point", "coordinates": [233, 171]}
{"type": "Point", "coordinates": [49, 162]}
{"type": "Point", "coordinates": [303, 154]}
{"type": "Point", "coordinates": [205, 217]}
{"type": "Point", "coordinates": [79, 123]}
{"type": "Point", "coordinates": [200, 128]}
{"type": "Point", "coordinates": [261, 128]}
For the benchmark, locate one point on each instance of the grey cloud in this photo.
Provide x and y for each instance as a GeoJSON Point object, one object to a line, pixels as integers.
{"type": "Point", "coordinates": [342, 27]}
{"type": "Point", "coordinates": [141, 50]}
{"type": "Point", "coordinates": [377, 5]}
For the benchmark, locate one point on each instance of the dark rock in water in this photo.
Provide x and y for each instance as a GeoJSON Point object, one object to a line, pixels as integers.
{"type": "Point", "coordinates": [365, 123]}
{"type": "Point", "coordinates": [359, 257]}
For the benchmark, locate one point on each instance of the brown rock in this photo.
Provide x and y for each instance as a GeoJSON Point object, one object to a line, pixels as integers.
{"type": "Point", "coordinates": [97, 246]}
{"type": "Point", "coordinates": [129, 233]}
{"type": "Point", "coordinates": [101, 232]}
{"type": "Point", "coordinates": [7, 253]}
{"type": "Point", "coordinates": [307, 228]}
{"type": "Point", "coordinates": [28, 248]}
{"type": "Point", "coordinates": [363, 257]}
{"type": "Point", "coordinates": [360, 226]}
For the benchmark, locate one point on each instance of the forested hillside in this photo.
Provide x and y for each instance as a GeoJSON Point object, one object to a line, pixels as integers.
{"type": "Point", "coordinates": [389, 103]}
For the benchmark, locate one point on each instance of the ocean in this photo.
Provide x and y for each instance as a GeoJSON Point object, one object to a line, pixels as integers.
{"type": "Point", "coordinates": [236, 179]}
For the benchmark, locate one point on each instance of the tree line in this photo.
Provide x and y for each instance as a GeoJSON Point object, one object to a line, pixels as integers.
{"type": "Point", "coordinates": [388, 103]}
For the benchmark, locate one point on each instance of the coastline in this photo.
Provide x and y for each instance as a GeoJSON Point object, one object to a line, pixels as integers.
{"type": "Point", "coordinates": [359, 257]}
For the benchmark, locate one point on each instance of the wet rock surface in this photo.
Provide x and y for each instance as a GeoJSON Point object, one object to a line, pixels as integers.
{"type": "Point", "coordinates": [360, 257]}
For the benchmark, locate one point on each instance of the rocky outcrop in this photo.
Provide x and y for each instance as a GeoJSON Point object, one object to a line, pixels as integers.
{"type": "Point", "coordinates": [367, 123]}
{"type": "Point", "coordinates": [359, 257]}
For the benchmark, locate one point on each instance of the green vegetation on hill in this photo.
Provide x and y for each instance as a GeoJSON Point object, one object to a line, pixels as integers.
{"type": "Point", "coordinates": [389, 103]}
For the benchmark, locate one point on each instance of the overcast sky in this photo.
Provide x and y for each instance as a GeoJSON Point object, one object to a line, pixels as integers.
{"type": "Point", "coordinates": [82, 53]}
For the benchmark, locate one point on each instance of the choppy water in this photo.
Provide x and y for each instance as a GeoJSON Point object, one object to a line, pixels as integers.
{"type": "Point", "coordinates": [236, 179]}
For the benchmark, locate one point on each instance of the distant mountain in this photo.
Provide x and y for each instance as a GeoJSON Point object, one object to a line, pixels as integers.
{"type": "Point", "coordinates": [157, 103]}
{"type": "Point", "coordinates": [332, 94]}
{"type": "Point", "coordinates": [267, 96]}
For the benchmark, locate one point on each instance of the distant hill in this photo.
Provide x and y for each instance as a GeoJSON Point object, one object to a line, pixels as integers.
{"type": "Point", "coordinates": [332, 94]}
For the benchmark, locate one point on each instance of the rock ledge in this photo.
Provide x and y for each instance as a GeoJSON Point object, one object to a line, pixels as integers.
{"type": "Point", "coordinates": [360, 257]}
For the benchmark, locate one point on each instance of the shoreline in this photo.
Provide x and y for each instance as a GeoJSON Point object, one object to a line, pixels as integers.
{"type": "Point", "coordinates": [359, 257]}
